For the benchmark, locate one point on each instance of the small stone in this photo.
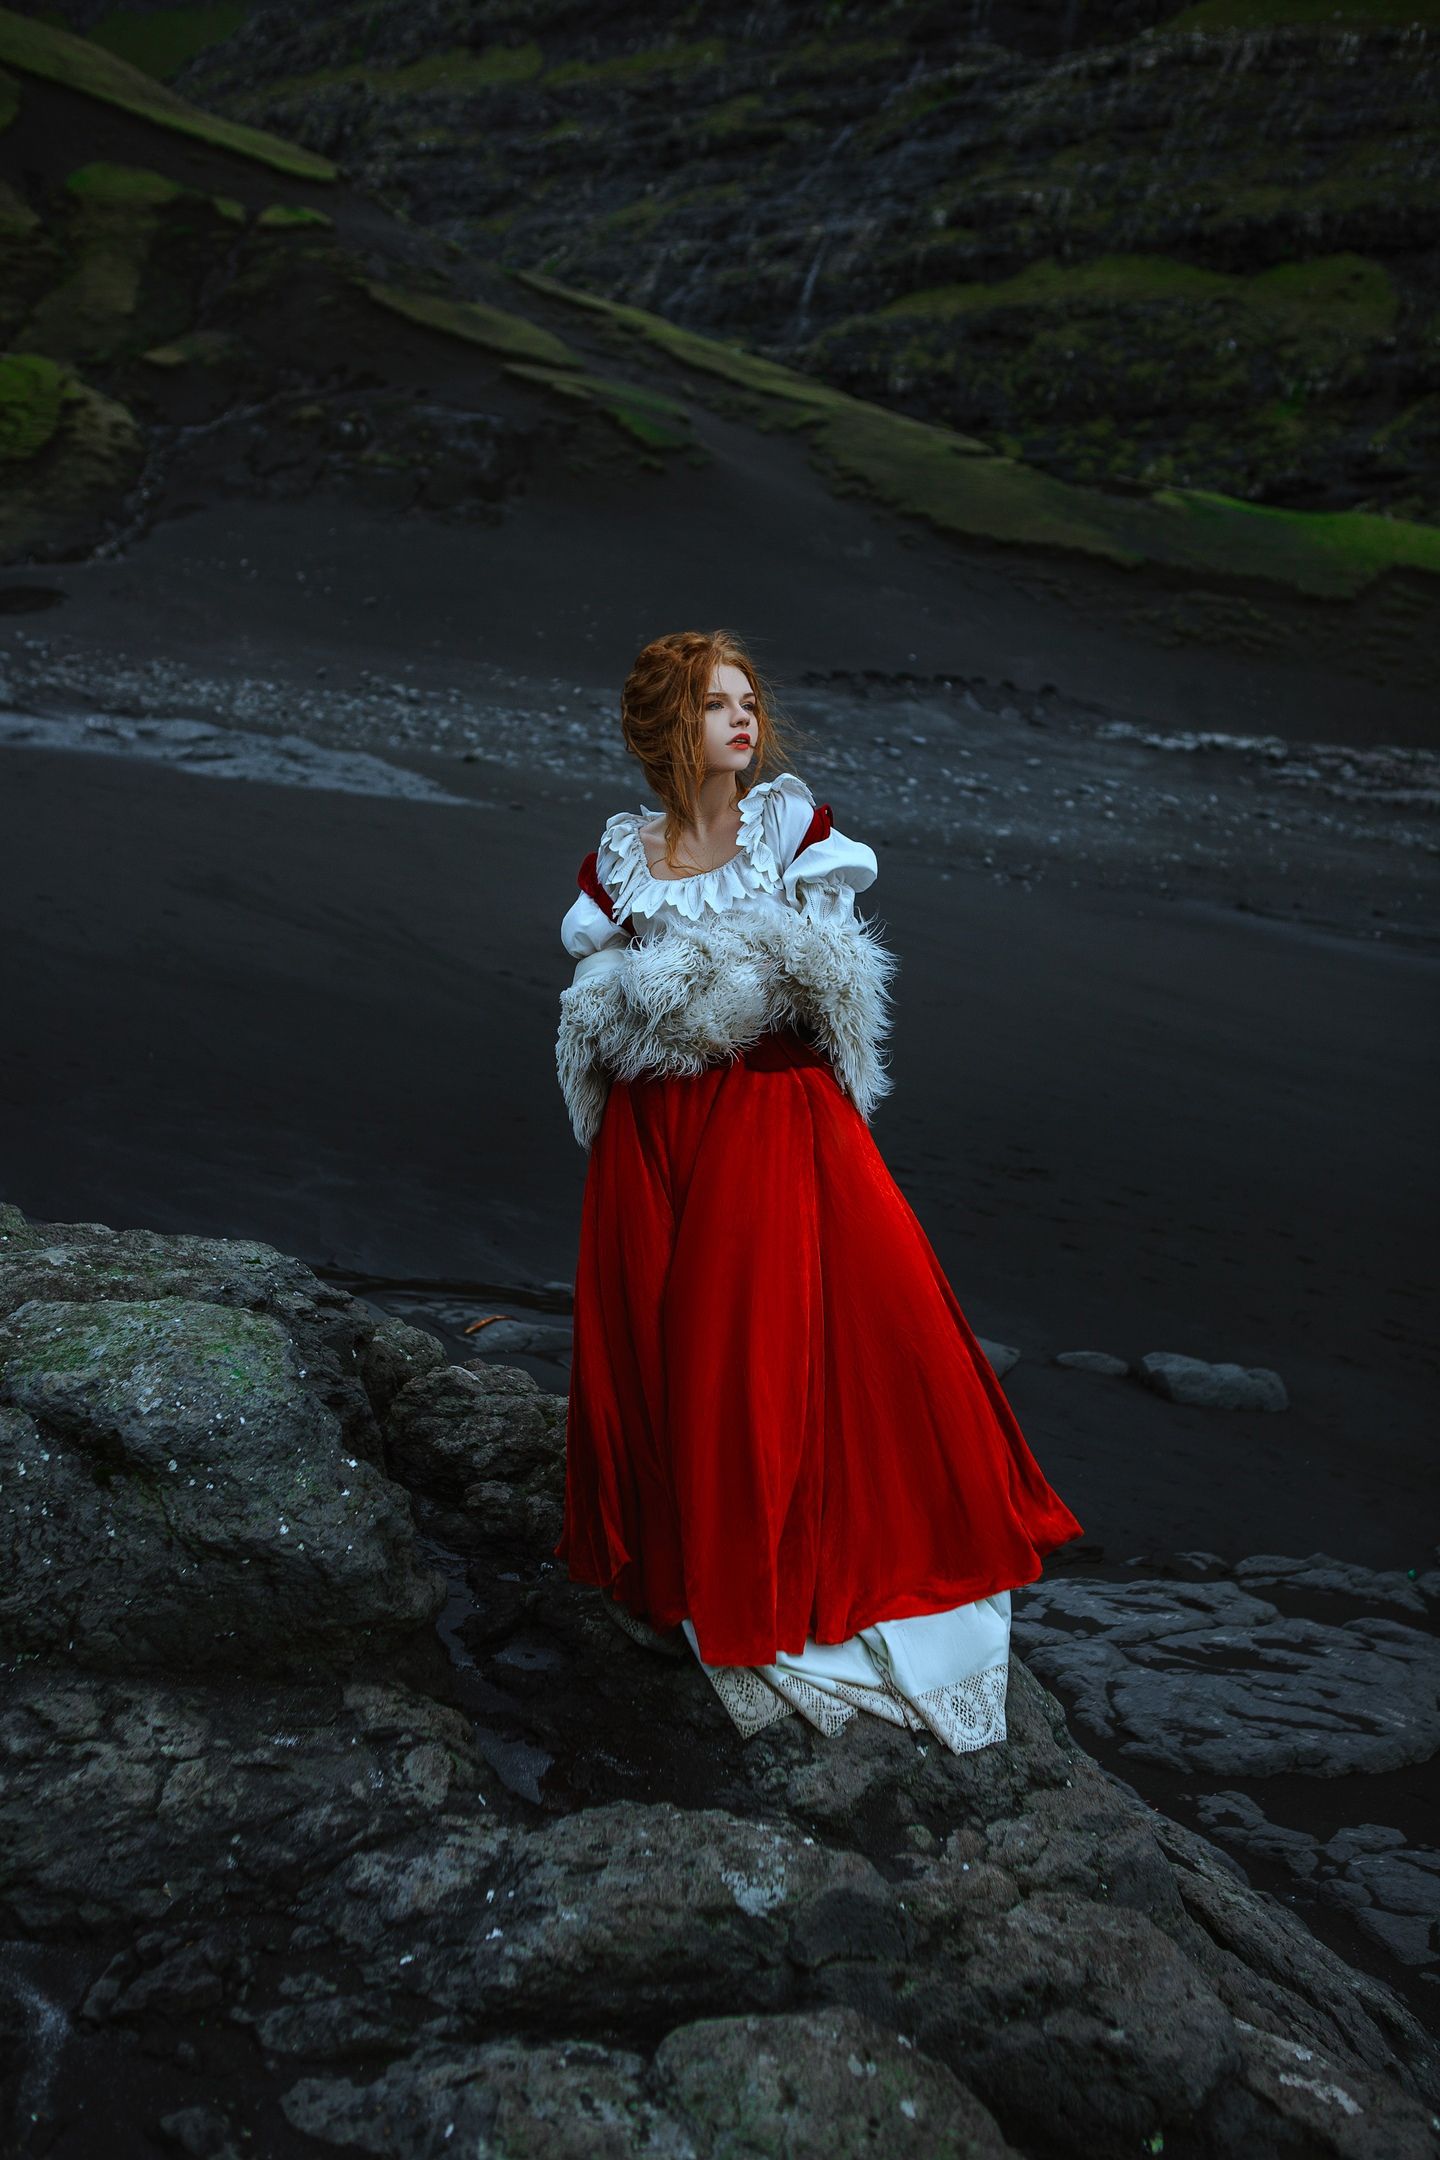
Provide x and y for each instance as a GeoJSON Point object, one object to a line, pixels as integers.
{"type": "Point", "coordinates": [1099, 1361]}
{"type": "Point", "coordinates": [1212, 1387]}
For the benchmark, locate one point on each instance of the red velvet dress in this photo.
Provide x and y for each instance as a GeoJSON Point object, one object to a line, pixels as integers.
{"type": "Point", "coordinates": [781, 1428]}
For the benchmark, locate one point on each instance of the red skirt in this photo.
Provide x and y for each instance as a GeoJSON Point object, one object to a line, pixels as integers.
{"type": "Point", "coordinates": [780, 1424]}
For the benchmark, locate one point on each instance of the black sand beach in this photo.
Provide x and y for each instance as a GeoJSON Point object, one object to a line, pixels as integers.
{"type": "Point", "coordinates": [327, 1020]}
{"type": "Point", "coordinates": [326, 569]}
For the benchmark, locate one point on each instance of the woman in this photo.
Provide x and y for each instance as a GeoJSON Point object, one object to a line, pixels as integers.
{"type": "Point", "coordinates": [783, 1438]}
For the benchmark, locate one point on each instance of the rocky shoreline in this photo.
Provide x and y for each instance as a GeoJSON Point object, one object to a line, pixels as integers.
{"type": "Point", "coordinates": [270, 1879]}
{"type": "Point", "coordinates": [1028, 790]}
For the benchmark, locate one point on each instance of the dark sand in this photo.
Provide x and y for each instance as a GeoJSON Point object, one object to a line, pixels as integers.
{"type": "Point", "coordinates": [327, 1021]}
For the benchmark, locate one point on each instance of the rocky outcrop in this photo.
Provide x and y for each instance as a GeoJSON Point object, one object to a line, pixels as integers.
{"type": "Point", "coordinates": [317, 1895]}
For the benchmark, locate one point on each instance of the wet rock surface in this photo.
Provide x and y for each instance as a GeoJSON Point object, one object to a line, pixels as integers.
{"type": "Point", "coordinates": [536, 1895]}
{"type": "Point", "coordinates": [1208, 1676]}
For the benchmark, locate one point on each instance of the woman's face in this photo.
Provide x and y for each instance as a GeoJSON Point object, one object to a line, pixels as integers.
{"type": "Point", "coordinates": [729, 720]}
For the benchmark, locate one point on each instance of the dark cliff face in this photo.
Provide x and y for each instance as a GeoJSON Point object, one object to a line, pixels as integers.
{"type": "Point", "coordinates": [1133, 253]}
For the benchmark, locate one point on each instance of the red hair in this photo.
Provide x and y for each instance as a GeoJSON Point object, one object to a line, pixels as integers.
{"type": "Point", "coordinates": [662, 719]}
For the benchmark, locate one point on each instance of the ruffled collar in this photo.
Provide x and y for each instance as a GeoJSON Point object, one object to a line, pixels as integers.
{"type": "Point", "coordinates": [755, 867]}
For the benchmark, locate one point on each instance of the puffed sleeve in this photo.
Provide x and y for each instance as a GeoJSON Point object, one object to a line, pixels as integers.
{"type": "Point", "coordinates": [589, 932]}
{"type": "Point", "coordinates": [824, 874]}
{"type": "Point", "coordinates": [588, 929]}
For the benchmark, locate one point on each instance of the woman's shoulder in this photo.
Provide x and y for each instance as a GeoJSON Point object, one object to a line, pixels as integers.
{"type": "Point", "coordinates": [785, 806]}
{"type": "Point", "coordinates": [620, 850]}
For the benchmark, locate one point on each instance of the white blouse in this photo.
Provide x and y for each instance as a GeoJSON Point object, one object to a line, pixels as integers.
{"type": "Point", "coordinates": [764, 872]}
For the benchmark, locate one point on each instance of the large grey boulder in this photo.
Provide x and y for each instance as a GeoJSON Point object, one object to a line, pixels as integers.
{"type": "Point", "coordinates": [813, 2085]}
{"type": "Point", "coordinates": [178, 1496]}
{"type": "Point", "coordinates": [79, 1262]}
{"type": "Point", "coordinates": [127, 1803]}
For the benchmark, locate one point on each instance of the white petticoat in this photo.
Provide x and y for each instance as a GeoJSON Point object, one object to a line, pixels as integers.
{"type": "Point", "coordinates": [945, 1670]}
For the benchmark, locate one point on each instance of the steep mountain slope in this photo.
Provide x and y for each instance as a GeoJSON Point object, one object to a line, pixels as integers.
{"type": "Point", "coordinates": [196, 311]}
{"type": "Point", "coordinates": [1138, 251]}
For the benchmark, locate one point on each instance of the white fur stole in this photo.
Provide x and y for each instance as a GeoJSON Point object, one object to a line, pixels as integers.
{"type": "Point", "coordinates": [698, 993]}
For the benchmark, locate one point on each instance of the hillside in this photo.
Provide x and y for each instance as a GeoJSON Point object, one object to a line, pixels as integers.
{"type": "Point", "coordinates": [199, 308]}
{"type": "Point", "coordinates": [1194, 248]}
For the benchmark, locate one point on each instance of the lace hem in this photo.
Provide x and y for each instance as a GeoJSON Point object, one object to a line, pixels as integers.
{"type": "Point", "coordinates": [966, 1714]}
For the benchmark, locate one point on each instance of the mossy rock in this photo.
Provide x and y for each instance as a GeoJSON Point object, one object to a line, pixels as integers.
{"type": "Point", "coordinates": [38, 48]}
{"type": "Point", "coordinates": [32, 392]}
{"type": "Point", "coordinates": [189, 1497]}
{"type": "Point", "coordinates": [69, 463]}
{"type": "Point", "coordinates": [476, 324]}
{"type": "Point", "coordinates": [124, 290]}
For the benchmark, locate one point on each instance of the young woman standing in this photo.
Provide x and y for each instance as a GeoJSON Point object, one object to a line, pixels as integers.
{"type": "Point", "coordinates": [785, 1446]}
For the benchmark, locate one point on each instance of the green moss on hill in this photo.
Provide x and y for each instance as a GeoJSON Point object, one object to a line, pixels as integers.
{"type": "Point", "coordinates": [960, 486]}
{"type": "Point", "coordinates": [453, 72]}
{"type": "Point", "coordinates": [78, 64]}
{"type": "Point", "coordinates": [1307, 15]}
{"type": "Point", "coordinates": [476, 324]}
{"type": "Point", "coordinates": [32, 389]}
{"type": "Point", "coordinates": [119, 291]}
{"type": "Point", "coordinates": [1344, 291]}
{"type": "Point", "coordinates": [123, 186]}
{"type": "Point", "coordinates": [647, 416]}
{"type": "Point", "coordinates": [637, 67]}
{"type": "Point", "coordinates": [286, 216]}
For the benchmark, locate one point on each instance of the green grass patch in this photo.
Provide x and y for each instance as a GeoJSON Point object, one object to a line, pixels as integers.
{"type": "Point", "coordinates": [123, 186]}
{"type": "Point", "coordinates": [285, 216]}
{"type": "Point", "coordinates": [457, 70]}
{"type": "Point", "coordinates": [657, 421]}
{"type": "Point", "coordinates": [797, 394]}
{"type": "Point", "coordinates": [471, 320]}
{"type": "Point", "coordinates": [115, 296]}
{"type": "Point", "coordinates": [160, 41]}
{"type": "Point", "coordinates": [732, 117]}
{"type": "Point", "coordinates": [636, 67]}
{"type": "Point", "coordinates": [197, 347]}
{"type": "Point", "coordinates": [1307, 15]}
{"type": "Point", "coordinates": [76, 63]}
{"type": "Point", "coordinates": [32, 391]}
{"type": "Point", "coordinates": [962, 487]}
{"type": "Point", "coordinates": [848, 56]}
{"type": "Point", "coordinates": [133, 190]}
{"type": "Point", "coordinates": [1345, 291]}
